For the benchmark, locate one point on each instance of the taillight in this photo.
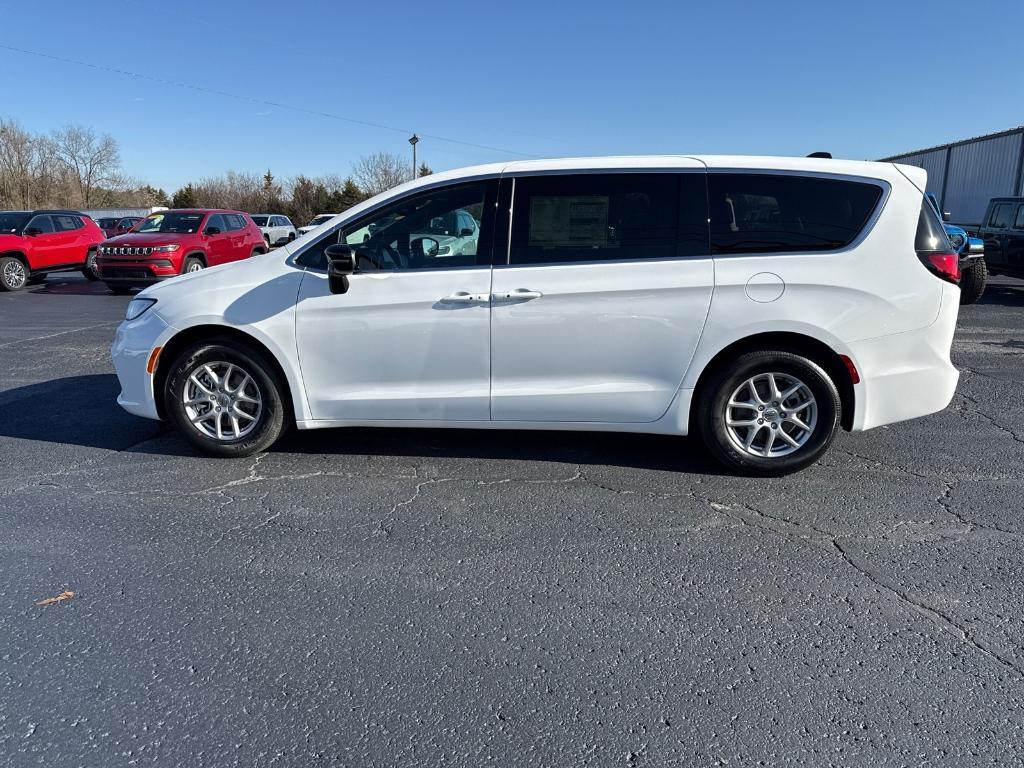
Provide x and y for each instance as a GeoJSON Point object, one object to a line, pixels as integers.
{"type": "Point", "coordinates": [933, 247]}
{"type": "Point", "coordinates": [945, 265]}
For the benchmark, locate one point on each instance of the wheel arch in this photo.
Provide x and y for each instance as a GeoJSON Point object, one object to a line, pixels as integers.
{"type": "Point", "coordinates": [198, 333]}
{"type": "Point", "coordinates": [19, 255]}
{"type": "Point", "coordinates": [785, 341]}
{"type": "Point", "coordinates": [195, 255]}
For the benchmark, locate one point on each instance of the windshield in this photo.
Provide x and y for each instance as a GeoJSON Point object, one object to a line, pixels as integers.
{"type": "Point", "coordinates": [106, 223]}
{"type": "Point", "coordinates": [129, 221]}
{"type": "Point", "coordinates": [12, 221]}
{"type": "Point", "coordinates": [177, 223]}
{"type": "Point", "coordinates": [261, 221]}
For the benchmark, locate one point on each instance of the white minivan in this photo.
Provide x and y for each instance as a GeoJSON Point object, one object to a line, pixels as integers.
{"type": "Point", "coordinates": [762, 302]}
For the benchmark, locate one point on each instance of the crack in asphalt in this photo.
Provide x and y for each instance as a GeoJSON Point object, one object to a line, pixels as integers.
{"type": "Point", "coordinates": [790, 529]}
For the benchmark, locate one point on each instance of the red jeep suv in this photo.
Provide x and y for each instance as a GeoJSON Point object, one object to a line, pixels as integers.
{"type": "Point", "coordinates": [169, 243]}
{"type": "Point", "coordinates": [33, 243]}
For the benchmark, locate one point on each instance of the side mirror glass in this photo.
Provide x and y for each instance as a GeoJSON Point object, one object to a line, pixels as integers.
{"type": "Point", "coordinates": [32, 232]}
{"type": "Point", "coordinates": [974, 245]}
{"type": "Point", "coordinates": [341, 262]}
{"type": "Point", "coordinates": [213, 230]}
{"type": "Point", "coordinates": [425, 247]}
{"type": "Point", "coordinates": [465, 232]}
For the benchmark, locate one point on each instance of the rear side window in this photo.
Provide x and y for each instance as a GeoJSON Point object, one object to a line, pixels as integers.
{"type": "Point", "coordinates": [772, 213]}
{"type": "Point", "coordinates": [67, 223]}
{"type": "Point", "coordinates": [235, 222]}
{"type": "Point", "coordinates": [1000, 218]}
{"type": "Point", "coordinates": [608, 217]}
{"type": "Point", "coordinates": [1018, 223]}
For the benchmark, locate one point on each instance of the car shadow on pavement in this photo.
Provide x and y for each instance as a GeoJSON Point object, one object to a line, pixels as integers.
{"type": "Point", "coordinates": [623, 449]}
{"type": "Point", "coordinates": [83, 411]}
{"type": "Point", "coordinates": [1008, 295]}
{"type": "Point", "coordinates": [76, 410]}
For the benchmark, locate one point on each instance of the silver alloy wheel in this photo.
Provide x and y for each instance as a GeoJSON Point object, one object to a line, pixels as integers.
{"type": "Point", "coordinates": [195, 266]}
{"type": "Point", "coordinates": [14, 274]}
{"type": "Point", "coordinates": [771, 415]}
{"type": "Point", "coordinates": [222, 400]}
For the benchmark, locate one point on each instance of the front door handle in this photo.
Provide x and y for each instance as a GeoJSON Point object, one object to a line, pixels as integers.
{"type": "Point", "coordinates": [519, 294]}
{"type": "Point", "coordinates": [461, 297]}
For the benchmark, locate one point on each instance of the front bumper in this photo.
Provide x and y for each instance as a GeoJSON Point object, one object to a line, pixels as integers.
{"type": "Point", "coordinates": [133, 344]}
{"type": "Point", "coordinates": [907, 375]}
{"type": "Point", "coordinates": [135, 271]}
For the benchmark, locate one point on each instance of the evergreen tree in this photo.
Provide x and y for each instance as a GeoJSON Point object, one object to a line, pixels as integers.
{"type": "Point", "coordinates": [425, 169]}
{"type": "Point", "coordinates": [184, 197]}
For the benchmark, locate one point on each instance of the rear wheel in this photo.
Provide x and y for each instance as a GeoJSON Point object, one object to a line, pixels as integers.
{"type": "Point", "coordinates": [89, 271]}
{"type": "Point", "coordinates": [225, 398]}
{"type": "Point", "coordinates": [192, 264]}
{"type": "Point", "coordinates": [972, 281]}
{"type": "Point", "coordinates": [769, 413]}
{"type": "Point", "coordinates": [14, 274]}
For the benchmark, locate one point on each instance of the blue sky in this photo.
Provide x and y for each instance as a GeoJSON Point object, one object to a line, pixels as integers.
{"type": "Point", "coordinates": [861, 80]}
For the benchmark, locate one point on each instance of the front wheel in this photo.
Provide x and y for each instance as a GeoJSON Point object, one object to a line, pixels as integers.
{"type": "Point", "coordinates": [192, 264]}
{"type": "Point", "coordinates": [89, 271]}
{"type": "Point", "coordinates": [225, 398]}
{"type": "Point", "coordinates": [769, 413]}
{"type": "Point", "coordinates": [972, 281]}
{"type": "Point", "coordinates": [14, 275]}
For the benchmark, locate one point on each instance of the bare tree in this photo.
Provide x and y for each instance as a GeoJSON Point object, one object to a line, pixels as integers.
{"type": "Point", "coordinates": [89, 161]}
{"type": "Point", "coordinates": [380, 172]}
{"type": "Point", "coordinates": [27, 175]}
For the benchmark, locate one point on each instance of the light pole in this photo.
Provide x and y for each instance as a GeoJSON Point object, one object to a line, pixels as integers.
{"type": "Point", "coordinates": [414, 141]}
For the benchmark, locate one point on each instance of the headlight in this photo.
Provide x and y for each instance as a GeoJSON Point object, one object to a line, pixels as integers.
{"type": "Point", "coordinates": [136, 307]}
{"type": "Point", "coordinates": [166, 248]}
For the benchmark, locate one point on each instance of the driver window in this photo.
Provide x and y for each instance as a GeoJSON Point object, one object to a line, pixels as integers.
{"type": "Point", "coordinates": [42, 223]}
{"type": "Point", "coordinates": [422, 232]}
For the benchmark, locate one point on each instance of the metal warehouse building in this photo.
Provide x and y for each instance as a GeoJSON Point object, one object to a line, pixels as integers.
{"type": "Point", "coordinates": [966, 174]}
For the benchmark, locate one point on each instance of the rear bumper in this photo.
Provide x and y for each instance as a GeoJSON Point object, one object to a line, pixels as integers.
{"type": "Point", "coordinates": [907, 375]}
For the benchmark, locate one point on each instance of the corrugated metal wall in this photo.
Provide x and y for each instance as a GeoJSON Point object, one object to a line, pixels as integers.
{"type": "Point", "coordinates": [978, 170]}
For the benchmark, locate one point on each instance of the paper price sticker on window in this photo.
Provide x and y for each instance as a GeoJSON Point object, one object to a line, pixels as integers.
{"type": "Point", "coordinates": [560, 221]}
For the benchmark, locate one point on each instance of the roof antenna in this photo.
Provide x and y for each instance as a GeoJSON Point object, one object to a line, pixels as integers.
{"type": "Point", "coordinates": [822, 155]}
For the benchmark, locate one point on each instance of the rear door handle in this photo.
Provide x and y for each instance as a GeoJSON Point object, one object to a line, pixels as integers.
{"type": "Point", "coordinates": [461, 297]}
{"type": "Point", "coordinates": [519, 294]}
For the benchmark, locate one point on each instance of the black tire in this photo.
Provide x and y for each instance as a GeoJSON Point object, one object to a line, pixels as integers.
{"type": "Point", "coordinates": [972, 281]}
{"type": "Point", "coordinates": [715, 395]}
{"type": "Point", "coordinates": [89, 271]}
{"type": "Point", "coordinates": [257, 251]}
{"type": "Point", "coordinates": [291, 236]}
{"type": "Point", "coordinates": [273, 416]}
{"type": "Point", "coordinates": [266, 239]}
{"type": "Point", "coordinates": [190, 265]}
{"type": "Point", "coordinates": [119, 290]}
{"type": "Point", "coordinates": [14, 275]}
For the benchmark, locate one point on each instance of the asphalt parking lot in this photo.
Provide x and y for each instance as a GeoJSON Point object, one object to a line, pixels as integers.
{"type": "Point", "coordinates": [404, 598]}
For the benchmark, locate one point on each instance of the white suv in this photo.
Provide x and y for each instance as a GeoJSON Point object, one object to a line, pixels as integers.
{"type": "Point", "coordinates": [276, 229]}
{"type": "Point", "coordinates": [762, 302]}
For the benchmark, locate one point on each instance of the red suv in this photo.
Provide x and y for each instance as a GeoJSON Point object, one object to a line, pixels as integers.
{"type": "Point", "coordinates": [170, 243]}
{"type": "Point", "coordinates": [33, 243]}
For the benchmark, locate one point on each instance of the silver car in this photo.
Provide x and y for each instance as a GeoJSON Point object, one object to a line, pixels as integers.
{"type": "Point", "coordinates": [276, 229]}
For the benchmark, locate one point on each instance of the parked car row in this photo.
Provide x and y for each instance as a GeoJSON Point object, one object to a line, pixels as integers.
{"type": "Point", "coordinates": [131, 251]}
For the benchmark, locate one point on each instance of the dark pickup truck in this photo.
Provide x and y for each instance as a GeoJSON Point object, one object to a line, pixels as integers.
{"type": "Point", "coordinates": [1002, 229]}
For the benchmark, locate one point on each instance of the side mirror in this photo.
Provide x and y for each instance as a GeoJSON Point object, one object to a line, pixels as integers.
{"type": "Point", "coordinates": [212, 231]}
{"type": "Point", "coordinates": [32, 232]}
{"type": "Point", "coordinates": [341, 262]}
{"type": "Point", "coordinates": [975, 246]}
{"type": "Point", "coordinates": [425, 247]}
{"type": "Point", "coordinates": [465, 232]}
{"type": "Point", "coordinates": [946, 217]}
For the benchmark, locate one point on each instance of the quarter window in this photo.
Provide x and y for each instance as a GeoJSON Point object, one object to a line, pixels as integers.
{"type": "Point", "coordinates": [1000, 216]}
{"type": "Point", "coordinates": [1019, 221]}
{"type": "Point", "coordinates": [419, 232]}
{"type": "Point", "coordinates": [608, 217]}
{"type": "Point", "coordinates": [772, 213]}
